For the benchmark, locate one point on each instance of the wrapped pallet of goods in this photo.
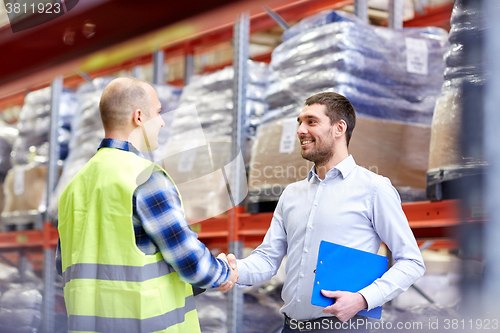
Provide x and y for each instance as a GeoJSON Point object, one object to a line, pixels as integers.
{"type": "Point", "coordinates": [32, 144]}
{"type": "Point", "coordinates": [392, 79]}
{"type": "Point", "coordinates": [8, 134]}
{"type": "Point", "coordinates": [20, 301]}
{"type": "Point", "coordinates": [446, 161]}
{"type": "Point", "coordinates": [25, 183]}
{"type": "Point", "coordinates": [25, 188]}
{"type": "Point", "coordinates": [199, 148]}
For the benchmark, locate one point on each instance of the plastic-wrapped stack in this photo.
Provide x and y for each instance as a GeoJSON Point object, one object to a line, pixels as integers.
{"type": "Point", "coordinates": [446, 162]}
{"type": "Point", "coordinates": [199, 145]}
{"type": "Point", "coordinates": [392, 79]}
{"type": "Point", "coordinates": [385, 73]}
{"type": "Point", "coordinates": [25, 183]}
{"type": "Point", "coordinates": [8, 134]}
{"type": "Point", "coordinates": [20, 301]}
{"type": "Point", "coordinates": [34, 126]}
{"type": "Point", "coordinates": [212, 95]}
{"type": "Point", "coordinates": [88, 130]}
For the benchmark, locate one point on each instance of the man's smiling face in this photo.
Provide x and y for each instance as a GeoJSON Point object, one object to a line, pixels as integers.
{"type": "Point", "coordinates": [315, 133]}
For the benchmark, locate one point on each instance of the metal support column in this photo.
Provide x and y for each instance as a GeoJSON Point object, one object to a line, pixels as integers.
{"type": "Point", "coordinates": [361, 9]}
{"type": "Point", "coordinates": [49, 277]}
{"type": "Point", "coordinates": [137, 72]}
{"type": "Point", "coordinates": [188, 66]}
{"type": "Point", "coordinates": [419, 5]}
{"type": "Point", "coordinates": [52, 175]}
{"type": "Point", "coordinates": [241, 55]}
{"type": "Point", "coordinates": [491, 290]}
{"type": "Point", "coordinates": [277, 18]}
{"type": "Point", "coordinates": [22, 265]}
{"type": "Point", "coordinates": [235, 295]}
{"type": "Point", "coordinates": [395, 14]}
{"type": "Point", "coordinates": [158, 67]}
{"type": "Point", "coordinates": [85, 76]}
{"type": "Point", "coordinates": [52, 167]}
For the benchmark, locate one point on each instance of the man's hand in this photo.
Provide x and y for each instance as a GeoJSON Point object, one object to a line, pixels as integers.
{"type": "Point", "coordinates": [233, 278]}
{"type": "Point", "coordinates": [346, 304]}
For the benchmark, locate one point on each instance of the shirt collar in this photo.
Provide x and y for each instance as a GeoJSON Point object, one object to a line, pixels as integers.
{"type": "Point", "coordinates": [344, 168]}
{"type": "Point", "coordinates": [119, 144]}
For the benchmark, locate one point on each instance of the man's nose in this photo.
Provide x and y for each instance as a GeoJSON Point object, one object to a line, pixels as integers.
{"type": "Point", "coordinates": [302, 129]}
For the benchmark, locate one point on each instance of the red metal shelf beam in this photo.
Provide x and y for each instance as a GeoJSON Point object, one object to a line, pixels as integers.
{"type": "Point", "coordinates": [30, 239]}
{"type": "Point", "coordinates": [259, 22]}
{"type": "Point", "coordinates": [12, 101]}
{"type": "Point", "coordinates": [53, 57]}
{"type": "Point", "coordinates": [438, 221]}
{"type": "Point", "coordinates": [116, 21]}
{"type": "Point", "coordinates": [438, 16]}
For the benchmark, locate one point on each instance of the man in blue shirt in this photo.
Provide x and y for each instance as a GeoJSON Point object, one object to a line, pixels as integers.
{"type": "Point", "coordinates": [339, 202]}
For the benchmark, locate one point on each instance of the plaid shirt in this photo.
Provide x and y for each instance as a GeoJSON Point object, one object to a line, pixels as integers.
{"type": "Point", "coordinates": [160, 225]}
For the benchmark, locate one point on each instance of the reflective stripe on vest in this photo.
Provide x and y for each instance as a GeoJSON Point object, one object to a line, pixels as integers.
{"type": "Point", "coordinates": [130, 325]}
{"type": "Point", "coordinates": [117, 272]}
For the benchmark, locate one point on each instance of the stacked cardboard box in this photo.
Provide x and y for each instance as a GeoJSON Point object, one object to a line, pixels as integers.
{"type": "Point", "coordinates": [394, 149]}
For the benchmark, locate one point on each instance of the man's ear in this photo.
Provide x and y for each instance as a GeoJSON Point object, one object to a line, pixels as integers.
{"type": "Point", "coordinates": [138, 117]}
{"type": "Point", "coordinates": [340, 128]}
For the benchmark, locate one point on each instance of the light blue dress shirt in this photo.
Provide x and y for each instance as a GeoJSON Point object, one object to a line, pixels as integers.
{"type": "Point", "coordinates": [352, 207]}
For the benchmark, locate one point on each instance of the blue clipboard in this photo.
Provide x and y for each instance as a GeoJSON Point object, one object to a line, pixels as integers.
{"type": "Point", "coordinates": [347, 269]}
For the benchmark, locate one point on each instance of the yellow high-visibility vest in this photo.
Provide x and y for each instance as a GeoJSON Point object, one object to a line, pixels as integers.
{"type": "Point", "coordinates": [110, 285]}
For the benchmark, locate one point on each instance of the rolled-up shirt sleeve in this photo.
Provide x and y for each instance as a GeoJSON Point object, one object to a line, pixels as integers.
{"type": "Point", "coordinates": [392, 226]}
{"type": "Point", "coordinates": [158, 207]}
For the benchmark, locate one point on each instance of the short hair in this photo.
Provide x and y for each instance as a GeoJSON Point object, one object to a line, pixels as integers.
{"type": "Point", "coordinates": [120, 98]}
{"type": "Point", "coordinates": [338, 108]}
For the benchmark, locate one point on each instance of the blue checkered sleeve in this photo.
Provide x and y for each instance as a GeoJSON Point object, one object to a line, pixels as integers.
{"type": "Point", "coordinates": [159, 222]}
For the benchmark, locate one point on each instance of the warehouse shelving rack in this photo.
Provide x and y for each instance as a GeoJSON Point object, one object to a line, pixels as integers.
{"type": "Point", "coordinates": [215, 34]}
{"type": "Point", "coordinates": [436, 221]}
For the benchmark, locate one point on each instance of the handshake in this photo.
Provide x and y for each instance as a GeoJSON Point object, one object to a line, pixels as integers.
{"type": "Point", "coordinates": [233, 278]}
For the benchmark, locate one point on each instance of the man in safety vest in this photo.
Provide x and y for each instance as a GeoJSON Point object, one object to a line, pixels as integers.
{"type": "Point", "coordinates": [126, 253]}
